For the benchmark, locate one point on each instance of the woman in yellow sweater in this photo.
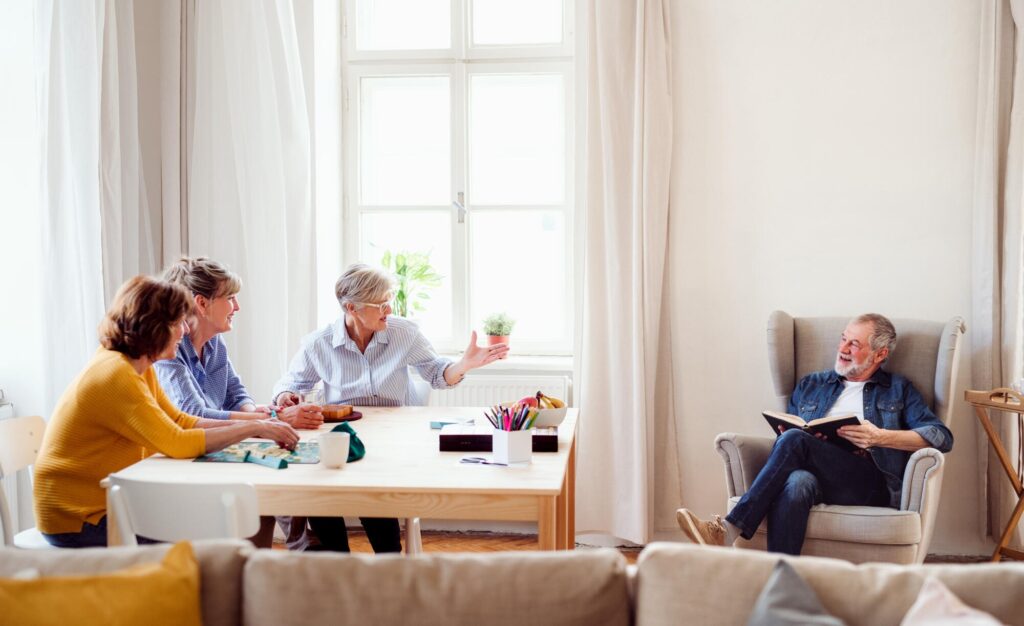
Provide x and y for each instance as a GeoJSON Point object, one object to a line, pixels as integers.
{"type": "Point", "coordinates": [114, 414]}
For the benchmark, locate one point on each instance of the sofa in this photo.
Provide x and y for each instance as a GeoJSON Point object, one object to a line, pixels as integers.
{"type": "Point", "coordinates": [671, 584]}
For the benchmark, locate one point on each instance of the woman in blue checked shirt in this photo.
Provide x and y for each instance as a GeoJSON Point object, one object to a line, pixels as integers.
{"type": "Point", "coordinates": [363, 359]}
{"type": "Point", "coordinates": [200, 379]}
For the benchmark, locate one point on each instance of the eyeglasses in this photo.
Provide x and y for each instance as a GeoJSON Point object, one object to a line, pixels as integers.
{"type": "Point", "coordinates": [382, 306]}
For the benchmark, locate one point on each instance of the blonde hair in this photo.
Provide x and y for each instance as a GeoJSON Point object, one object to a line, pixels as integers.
{"type": "Point", "coordinates": [203, 277]}
{"type": "Point", "coordinates": [364, 283]}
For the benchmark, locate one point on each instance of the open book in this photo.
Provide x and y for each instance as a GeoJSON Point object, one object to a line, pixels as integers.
{"type": "Point", "coordinates": [827, 426]}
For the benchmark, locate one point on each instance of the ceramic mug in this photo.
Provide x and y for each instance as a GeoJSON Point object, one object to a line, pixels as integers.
{"type": "Point", "coordinates": [334, 449]}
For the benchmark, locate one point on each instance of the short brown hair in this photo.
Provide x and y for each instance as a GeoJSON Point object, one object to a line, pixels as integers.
{"type": "Point", "coordinates": [139, 321]}
{"type": "Point", "coordinates": [203, 277]}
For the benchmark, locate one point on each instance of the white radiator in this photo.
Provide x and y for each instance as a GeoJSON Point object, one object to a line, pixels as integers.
{"type": "Point", "coordinates": [491, 389]}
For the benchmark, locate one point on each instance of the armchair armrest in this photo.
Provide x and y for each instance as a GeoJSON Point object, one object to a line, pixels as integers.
{"type": "Point", "coordinates": [922, 481]}
{"type": "Point", "coordinates": [744, 456]}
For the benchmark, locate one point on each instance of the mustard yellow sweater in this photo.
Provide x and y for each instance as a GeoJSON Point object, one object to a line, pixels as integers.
{"type": "Point", "coordinates": [108, 418]}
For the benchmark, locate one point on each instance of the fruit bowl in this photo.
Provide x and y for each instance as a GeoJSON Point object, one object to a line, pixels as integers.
{"type": "Point", "coordinates": [546, 418]}
{"type": "Point", "coordinates": [550, 417]}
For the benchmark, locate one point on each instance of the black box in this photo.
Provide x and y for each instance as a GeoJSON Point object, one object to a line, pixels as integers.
{"type": "Point", "coordinates": [477, 438]}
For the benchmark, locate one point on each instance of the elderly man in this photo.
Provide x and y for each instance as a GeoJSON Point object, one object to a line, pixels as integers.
{"type": "Point", "coordinates": [803, 470]}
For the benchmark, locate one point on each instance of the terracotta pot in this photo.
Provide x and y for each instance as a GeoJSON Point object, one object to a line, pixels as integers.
{"type": "Point", "coordinates": [496, 339]}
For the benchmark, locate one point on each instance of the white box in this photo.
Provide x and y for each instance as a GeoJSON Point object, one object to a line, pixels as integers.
{"type": "Point", "coordinates": [512, 446]}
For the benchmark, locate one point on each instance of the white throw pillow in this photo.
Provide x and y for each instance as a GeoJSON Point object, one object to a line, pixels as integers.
{"type": "Point", "coordinates": [936, 605]}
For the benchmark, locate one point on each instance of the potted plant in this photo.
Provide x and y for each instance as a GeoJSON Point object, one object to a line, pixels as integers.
{"type": "Point", "coordinates": [498, 327]}
{"type": "Point", "coordinates": [414, 275]}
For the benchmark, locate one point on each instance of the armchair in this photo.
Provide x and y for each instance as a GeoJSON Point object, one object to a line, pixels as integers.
{"type": "Point", "coordinates": [927, 354]}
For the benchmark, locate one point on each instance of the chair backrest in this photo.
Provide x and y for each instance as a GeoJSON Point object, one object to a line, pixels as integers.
{"type": "Point", "coordinates": [926, 353]}
{"type": "Point", "coordinates": [182, 511]}
{"type": "Point", "coordinates": [20, 440]}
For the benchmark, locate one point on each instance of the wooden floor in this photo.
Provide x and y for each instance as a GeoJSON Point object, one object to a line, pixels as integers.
{"type": "Point", "coordinates": [436, 541]}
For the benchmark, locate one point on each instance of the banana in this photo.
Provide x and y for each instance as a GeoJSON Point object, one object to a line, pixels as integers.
{"type": "Point", "coordinates": [548, 402]}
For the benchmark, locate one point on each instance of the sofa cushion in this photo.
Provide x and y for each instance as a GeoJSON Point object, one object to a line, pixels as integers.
{"type": "Point", "coordinates": [220, 569]}
{"type": "Point", "coordinates": [787, 600]}
{"type": "Point", "coordinates": [680, 583]}
{"type": "Point", "coordinates": [164, 593]}
{"type": "Point", "coordinates": [584, 587]}
{"type": "Point", "coordinates": [877, 525]}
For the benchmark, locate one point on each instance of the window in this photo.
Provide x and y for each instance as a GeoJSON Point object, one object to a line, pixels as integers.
{"type": "Point", "coordinates": [459, 127]}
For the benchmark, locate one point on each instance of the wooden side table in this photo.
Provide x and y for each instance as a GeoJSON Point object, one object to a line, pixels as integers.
{"type": "Point", "coordinates": [1008, 401]}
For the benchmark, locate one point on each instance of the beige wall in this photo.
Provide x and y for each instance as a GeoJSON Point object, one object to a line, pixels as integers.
{"type": "Point", "coordinates": [823, 165]}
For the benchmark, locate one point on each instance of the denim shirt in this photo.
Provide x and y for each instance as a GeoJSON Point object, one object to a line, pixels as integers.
{"type": "Point", "coordinates": [890, 402]}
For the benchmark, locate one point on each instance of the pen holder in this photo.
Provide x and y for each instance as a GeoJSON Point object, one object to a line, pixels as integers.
{"type": "Point", "coordinates": [512, 446]}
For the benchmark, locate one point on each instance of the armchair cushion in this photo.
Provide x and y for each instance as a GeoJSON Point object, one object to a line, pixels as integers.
{"type": "Point", "coordinates": [859, 524]}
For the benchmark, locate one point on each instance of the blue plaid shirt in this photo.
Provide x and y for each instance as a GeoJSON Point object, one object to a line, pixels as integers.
{"type": "Point", "coordinates": [890, 402]}
{"type": "Point", "coordinates": [378, 377]}
{"type": "Point", "coordinates": [208, 387]}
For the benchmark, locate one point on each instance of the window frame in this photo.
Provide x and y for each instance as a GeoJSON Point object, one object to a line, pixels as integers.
{"type": "Point", "coordinates": [459, 63]}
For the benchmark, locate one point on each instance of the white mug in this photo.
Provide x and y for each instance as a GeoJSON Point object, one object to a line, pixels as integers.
{"type": "Point", "coordinates": [334, 449]}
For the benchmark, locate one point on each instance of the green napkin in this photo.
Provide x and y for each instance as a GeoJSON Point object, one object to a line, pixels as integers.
{"type": "Point", "coordinates": [356, 449]}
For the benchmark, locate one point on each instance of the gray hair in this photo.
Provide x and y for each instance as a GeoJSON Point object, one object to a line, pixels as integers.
{"type": "Point", "coordinates": [883, 333]}
{"type": "Point", "coordinates": [364, 283]}
{"type": "Point", "coordinates": [203, 277]}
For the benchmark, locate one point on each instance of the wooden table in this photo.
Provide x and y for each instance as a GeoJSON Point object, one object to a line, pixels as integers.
{"type": "Point", "coordinates": [1007, 401]}
{"type": "Point", "coordinates": [403, 475]}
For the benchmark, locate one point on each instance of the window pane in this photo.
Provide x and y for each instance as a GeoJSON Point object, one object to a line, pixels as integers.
{"type": "Point", "coordinates": [517, 266]}
{"type": "Point", "coordinates": [426, 232]}
{"type": "Point", "coordinates": [403, 24]}
{"type": "Point", "coordinates": [517, 139]}
{"type": "Point", "coordinates": [523, 22]}
{"type": "Point", "coordinates": [405, 141]}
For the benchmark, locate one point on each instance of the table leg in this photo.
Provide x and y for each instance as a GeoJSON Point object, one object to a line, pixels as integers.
{"type": "Point", "coordinates": [1010, 525]}
{"type": "Point", "coordinates": [113, 533]}
{"type": "Point", "coordinates": [997, 446]}
{"type": "Point", "coordinates": [547, 522]}
{"type": "Point", "coordinates": [571, 498]}
{"type": "Point", "coordinates": [561, 519]}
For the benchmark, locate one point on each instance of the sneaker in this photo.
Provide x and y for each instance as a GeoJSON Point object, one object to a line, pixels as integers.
{"type": "Point", "coordinates": [700, 532]}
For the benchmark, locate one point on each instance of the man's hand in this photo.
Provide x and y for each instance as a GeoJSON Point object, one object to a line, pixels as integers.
{"type": "Point", "coordinates": [287, 398]}
{"type": "Point", "coordinates": [864, 435]}
{"type": "Point", "coordinates": [280, 433]}
{"type": "Point", "coordinates": [305, 416]}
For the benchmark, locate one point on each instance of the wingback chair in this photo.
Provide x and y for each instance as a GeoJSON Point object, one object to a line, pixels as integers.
{"type": "Point", "coordinates": [926, 353]}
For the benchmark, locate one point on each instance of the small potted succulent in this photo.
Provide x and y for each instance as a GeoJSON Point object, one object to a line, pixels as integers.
{"type": "Point", "coordinates": [498, 327]}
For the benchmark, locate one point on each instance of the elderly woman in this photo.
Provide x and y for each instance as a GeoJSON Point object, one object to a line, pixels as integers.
{"type": "Point", "coordinates": [114, 413]}
{"type": "Point", "coordinates": [363, 359]}
{"type": "Point", "coordinates": [200, 379]}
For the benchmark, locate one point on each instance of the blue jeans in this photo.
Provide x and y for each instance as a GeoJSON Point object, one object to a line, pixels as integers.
{"type": "Point", "coordinates": [91, 536]}
{"type": "Point", "coordinates": [802, 471]}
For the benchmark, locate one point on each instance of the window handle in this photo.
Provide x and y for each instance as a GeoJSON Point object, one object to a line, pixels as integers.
{"type": "Point", "coordinates": [460, 205]}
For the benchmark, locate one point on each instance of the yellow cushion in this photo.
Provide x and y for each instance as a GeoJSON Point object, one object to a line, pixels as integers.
{"type": "Point", "coordinates": [152, 594]}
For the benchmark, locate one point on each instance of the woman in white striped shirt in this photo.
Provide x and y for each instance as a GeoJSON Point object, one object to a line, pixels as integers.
{"type": "Point", "coordinates": [363, 359]}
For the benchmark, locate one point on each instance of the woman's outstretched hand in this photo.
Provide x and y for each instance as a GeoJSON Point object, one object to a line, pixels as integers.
{"type": "Point", "coordinates": [475, 356]}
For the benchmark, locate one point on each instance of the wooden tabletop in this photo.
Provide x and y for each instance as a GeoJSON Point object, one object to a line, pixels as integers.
{"type": "Point", "coordinates": [401, 456]}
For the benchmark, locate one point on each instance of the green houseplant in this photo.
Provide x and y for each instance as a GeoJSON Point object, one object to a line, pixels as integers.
{"type": "Point", "coordinates": [498, 327]}
{"type": "Point", "coordinates": [414, 276]}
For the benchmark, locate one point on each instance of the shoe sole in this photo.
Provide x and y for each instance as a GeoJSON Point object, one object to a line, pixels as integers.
{"type": "Point", "coordinates": [689, 526]}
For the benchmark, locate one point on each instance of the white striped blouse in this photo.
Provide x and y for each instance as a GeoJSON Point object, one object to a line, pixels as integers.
{"type": "Point", "coordinates": [378, 377]}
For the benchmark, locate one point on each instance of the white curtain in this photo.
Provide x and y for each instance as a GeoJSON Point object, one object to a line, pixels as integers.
{"type": "Point", "coordinates": [627, 453]}
{"type": "Point", "coordinates": [997, 331]}
{"type": "Point", "coordinates": [249, 177]}
{"type": "Point", "coordinates": [96, 222]}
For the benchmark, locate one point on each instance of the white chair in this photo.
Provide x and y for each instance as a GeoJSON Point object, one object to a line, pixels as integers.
{"type": "Point", "coordinates": [20, 440]}
{"type": "Point", "coordinates": [182, 511]}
